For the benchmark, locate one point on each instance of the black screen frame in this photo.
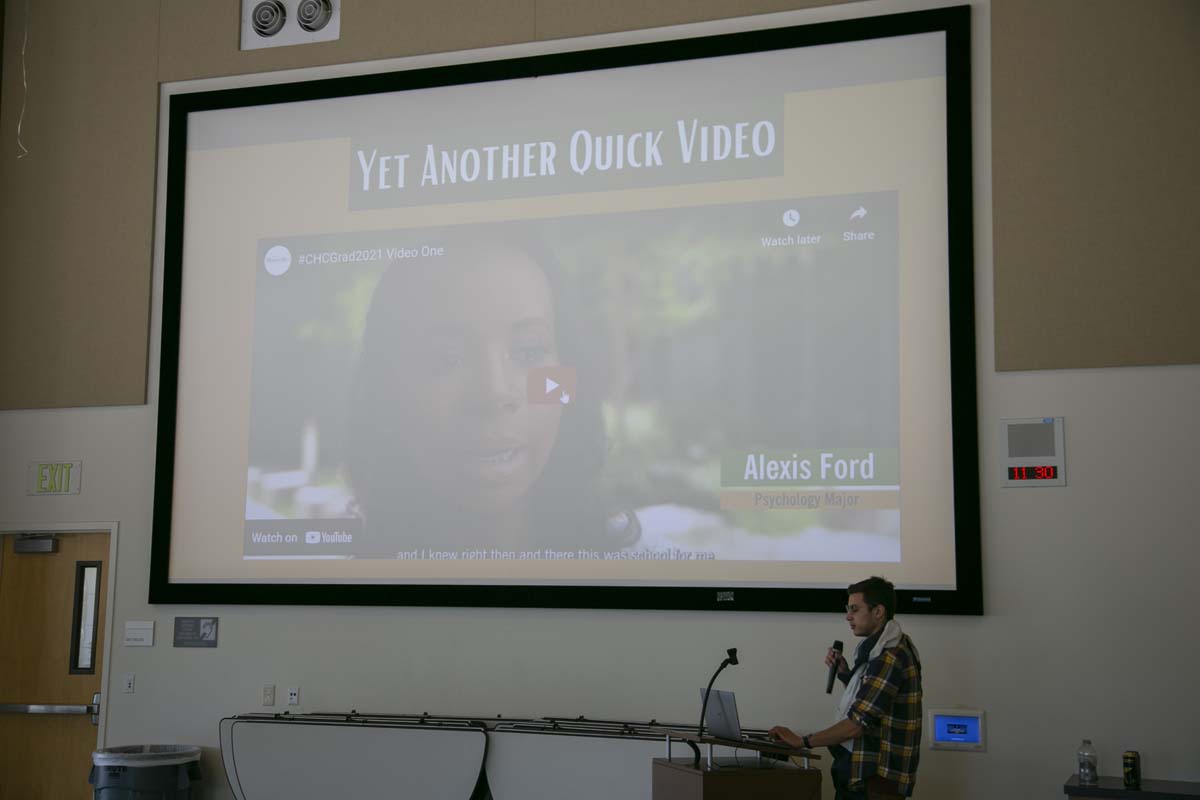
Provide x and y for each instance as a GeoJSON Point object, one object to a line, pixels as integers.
{"type": "Point", "coordinates": [967, 598]}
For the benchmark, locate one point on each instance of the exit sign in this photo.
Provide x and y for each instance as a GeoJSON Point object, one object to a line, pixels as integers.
{"type": "Point", "coordinates": [54, 477]}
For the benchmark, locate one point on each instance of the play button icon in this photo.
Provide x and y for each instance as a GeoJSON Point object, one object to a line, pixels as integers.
{"type": "Point", "coordinates": [551, 385]}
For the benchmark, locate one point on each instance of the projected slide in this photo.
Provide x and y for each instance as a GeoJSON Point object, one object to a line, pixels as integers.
{"type": "Point", "coordinates": [664, 325]}
{"type": "Point", "coordinates": [530, 392]}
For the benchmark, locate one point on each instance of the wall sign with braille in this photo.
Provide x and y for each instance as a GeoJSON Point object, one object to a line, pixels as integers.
{"type": "Point", "coordinates": [196, 631]}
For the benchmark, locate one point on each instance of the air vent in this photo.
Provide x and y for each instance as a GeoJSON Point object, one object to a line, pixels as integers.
{"type": "Point", "coordinates": [268, 17]}
{"type": "Point", "coordinates": [314, 15]}
{"type": "Point", "coordinates": [278, 23]}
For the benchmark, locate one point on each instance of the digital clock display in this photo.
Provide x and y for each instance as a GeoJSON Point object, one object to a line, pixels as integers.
{"type": "Point", "coordinates": [1044, 473]}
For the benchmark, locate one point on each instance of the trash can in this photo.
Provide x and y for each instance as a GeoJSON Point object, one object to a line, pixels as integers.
{"type": "Point", "coordinates": [145, 772]}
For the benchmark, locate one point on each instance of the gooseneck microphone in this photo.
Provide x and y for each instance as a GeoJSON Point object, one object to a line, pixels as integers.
{"type": "Point", "coordinates": [837, 648]}
{"type": "Point", "coordinates": [732, 659]}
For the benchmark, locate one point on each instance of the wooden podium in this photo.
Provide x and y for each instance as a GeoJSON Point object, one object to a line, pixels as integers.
{"type": "Point", "coordinates": [677, 779]}
{"type": "Point", "coordinates": [748, 778]}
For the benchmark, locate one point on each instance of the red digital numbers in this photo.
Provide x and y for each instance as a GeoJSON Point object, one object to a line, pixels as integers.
{"type": "Point", "coordinates": [1041, 473]}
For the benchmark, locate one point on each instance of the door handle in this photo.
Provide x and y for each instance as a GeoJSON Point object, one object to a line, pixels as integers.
{"type": "Point", "coordinates": [92, 709]}
{"type": "Point", "coordinates": [42, 708]}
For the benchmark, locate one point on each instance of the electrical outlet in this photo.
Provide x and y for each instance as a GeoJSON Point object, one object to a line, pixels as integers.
{"type": "Point", "coordinates": [128, 684]}
{"type": "Point", "coordinates": [268, 694]}
{"type": "Point", "coordinates": [294, 696]}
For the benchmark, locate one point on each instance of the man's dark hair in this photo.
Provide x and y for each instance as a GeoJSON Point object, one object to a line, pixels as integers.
{"type": "Point", "coordinates": [877, 592]}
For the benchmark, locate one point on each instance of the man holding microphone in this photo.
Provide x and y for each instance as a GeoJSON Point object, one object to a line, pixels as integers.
{"type": "Point", "coordinates": [876, 740]}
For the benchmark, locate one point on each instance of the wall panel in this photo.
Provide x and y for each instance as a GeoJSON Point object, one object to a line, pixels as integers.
{"type": "Point", "coordinates": [76, 213]}
{"type": "Point", "coordinates": [1094, 117]}
{"type": "Point", "coordinates": [558, 19]}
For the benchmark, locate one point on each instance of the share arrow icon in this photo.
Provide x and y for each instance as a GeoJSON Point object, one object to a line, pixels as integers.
{"type": "Point", "coordinates": [859, 213]}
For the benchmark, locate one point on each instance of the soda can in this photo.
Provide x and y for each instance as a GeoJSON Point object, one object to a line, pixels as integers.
{"type": "Point", "coordinates": [1132, 762]}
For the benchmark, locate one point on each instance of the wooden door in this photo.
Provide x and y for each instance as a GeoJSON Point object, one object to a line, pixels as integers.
{"type": "Point", "coordinates": [48, 756]}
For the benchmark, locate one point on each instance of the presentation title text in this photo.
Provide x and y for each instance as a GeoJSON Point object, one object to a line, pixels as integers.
{"type": "Point", "coordinates": [583, 153]}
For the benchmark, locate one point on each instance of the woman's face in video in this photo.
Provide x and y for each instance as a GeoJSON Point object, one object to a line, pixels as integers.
{"type": "Point", "coordinates": [470, 331]}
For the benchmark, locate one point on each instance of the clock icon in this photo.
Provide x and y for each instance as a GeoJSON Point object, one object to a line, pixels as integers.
{"type": "Point", "coordinates": [791, 218]}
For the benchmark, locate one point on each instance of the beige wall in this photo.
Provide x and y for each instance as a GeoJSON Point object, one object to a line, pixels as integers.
{"type": "Point", "coordinates": [76, 214]}
{"type": "Point", "coordinates": [1095, 118]}
{"type": "Point", "coordinates": [1088, 588]}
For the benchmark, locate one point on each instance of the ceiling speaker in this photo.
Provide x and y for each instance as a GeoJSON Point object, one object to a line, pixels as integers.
{"type": "Point", "coordinates": [279, 23]}
{"type": "Point", "coordinates": [313, 15]}
{"type": "Point", "coordinates": [268, 17]}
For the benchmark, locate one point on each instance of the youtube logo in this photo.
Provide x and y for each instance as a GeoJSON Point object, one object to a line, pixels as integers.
{"type": "Point", "coordinates": [550, 385]}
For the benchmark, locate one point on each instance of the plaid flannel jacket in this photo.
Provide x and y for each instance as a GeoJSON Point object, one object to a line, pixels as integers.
{"type": "Point", "coordinates": [888, 707]}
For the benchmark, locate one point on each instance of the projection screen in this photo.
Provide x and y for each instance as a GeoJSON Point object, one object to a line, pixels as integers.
{"type": "Point", "coordinates": [685, 324]}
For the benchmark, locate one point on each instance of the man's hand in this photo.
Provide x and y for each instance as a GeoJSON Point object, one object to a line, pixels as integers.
{"type": "Point", "coordinates": [786, 736]}
{"type": "Point", "coordinates": [834, 656]}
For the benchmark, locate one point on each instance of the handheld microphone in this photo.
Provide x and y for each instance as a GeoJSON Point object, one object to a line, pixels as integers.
{"type": "Point", "coordinates": [731, 659]}
{"type": "Point", "coordinates": [837, 647]}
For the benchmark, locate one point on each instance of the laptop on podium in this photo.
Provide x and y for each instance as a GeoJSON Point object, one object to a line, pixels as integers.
{"type": "Point", "coordinates": [721, 718]}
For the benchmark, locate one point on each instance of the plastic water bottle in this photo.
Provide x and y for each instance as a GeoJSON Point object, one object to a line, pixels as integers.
{"type": "Point", "coordinates": [1087, 762]}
